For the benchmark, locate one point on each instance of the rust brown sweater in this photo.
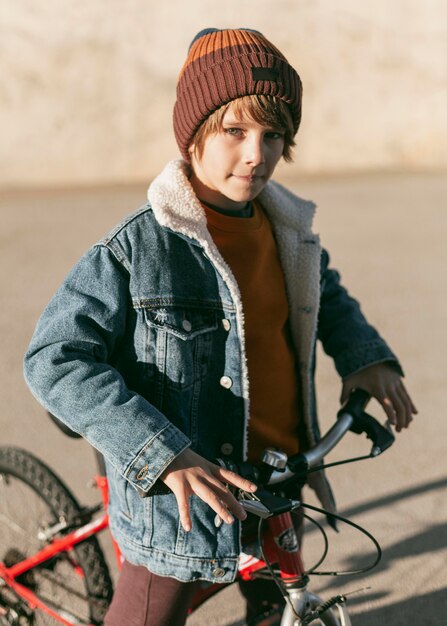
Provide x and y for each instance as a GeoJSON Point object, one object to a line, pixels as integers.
{"type": "Point", "coordinates": [248, 246]}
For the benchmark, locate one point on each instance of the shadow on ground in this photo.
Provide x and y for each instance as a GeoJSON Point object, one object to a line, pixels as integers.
{"type": "Point", "coordinates": [425, 610]}
{"type": "Point", "coordinates": [394, 497]}
{"type": "Point", "coordinates": [422, 610]}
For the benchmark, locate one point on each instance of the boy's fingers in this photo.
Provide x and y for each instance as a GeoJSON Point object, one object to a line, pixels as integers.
{"type": "Point", "coordinates": [400, 410]}
{"type": "Point", "coordinates": [405, 398]}
{"type": "Point", "coordinates": [208, 495]}
{"type": "Point", "coordinates": [183, 509]}
{"type": "Point", "coordinates": [389, 409]}
{"type": "Point", "coordinates": [227, 476]}
{"type": "Point", "coordinates": [225, 495]}
{"type": "Point", "coordinates": [404, 392]}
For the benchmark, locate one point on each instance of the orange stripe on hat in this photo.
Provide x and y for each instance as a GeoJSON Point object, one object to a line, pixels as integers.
{"type": "Point", "coordinates": [216, 42]}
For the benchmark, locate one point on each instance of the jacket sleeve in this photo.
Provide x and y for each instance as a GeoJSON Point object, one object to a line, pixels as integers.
{"type": "Point", "coordinates": [67, 367]}
{"type": "Point", "coordinates": [343, 330]}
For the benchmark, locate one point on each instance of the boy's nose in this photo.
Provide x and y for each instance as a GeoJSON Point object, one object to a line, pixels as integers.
{"type": "Point", "coordinates": [254, 151]}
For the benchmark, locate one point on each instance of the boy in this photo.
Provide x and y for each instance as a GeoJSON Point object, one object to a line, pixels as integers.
{"type": "Point", "coordinates": [149, 346]}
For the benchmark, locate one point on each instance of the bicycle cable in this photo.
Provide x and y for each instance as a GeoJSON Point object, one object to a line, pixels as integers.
{"type": "Point", "coordinates": [325, 466]}
{"type": "Point", "coordinates": [357, 527]}
{"type": "Point", "coordinates": [313, 570]}
{"type": "Point", "coordinates": [326, 544]}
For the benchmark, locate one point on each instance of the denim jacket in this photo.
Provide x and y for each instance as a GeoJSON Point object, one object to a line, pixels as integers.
{"type": "Point", "coordinates": [142, 352]}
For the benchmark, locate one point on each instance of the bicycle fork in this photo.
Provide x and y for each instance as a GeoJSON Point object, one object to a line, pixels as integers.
{"type": "Point", "coordinates": [304, 607]}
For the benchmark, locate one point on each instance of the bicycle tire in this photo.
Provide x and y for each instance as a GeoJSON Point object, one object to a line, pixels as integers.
{"type": "Point", "coordinates": [77, 585]}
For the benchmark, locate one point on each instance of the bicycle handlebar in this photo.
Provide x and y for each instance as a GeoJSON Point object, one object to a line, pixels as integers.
{"type": "Point", "coordinates": [350, 417]}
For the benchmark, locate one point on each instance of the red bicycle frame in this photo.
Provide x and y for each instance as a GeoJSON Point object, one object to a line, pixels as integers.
{"type": "Point", "coordinates": [280, 546]}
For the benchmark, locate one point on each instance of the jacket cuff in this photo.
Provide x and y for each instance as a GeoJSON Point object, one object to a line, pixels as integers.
{"type": "Point", "coordinates": [364, 354]}
{"type": "Point", "coordinates": [155, 457]}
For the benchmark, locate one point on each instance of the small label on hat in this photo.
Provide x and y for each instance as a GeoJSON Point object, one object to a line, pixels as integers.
{"type": "Point", "coordinates": [265, 73]}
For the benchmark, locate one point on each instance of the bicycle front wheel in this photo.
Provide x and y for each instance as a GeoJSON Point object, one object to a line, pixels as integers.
{"type": "Point", "coordinates": [75, 584]}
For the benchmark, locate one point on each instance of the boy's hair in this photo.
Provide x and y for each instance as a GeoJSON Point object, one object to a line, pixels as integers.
{"type": "Point", "coordinates": [225, 65]}
{"type": "Point", "coordinates": [265, 110]}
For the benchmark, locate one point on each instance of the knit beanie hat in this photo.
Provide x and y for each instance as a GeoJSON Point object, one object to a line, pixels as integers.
{"type": "Point", "coordinates": [223, 65]}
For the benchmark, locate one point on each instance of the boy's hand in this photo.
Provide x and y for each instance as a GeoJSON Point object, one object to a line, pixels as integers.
{"type": "Point", "coordinates": [189, 473]}
{"type": "Point", "coordinates": [384, 384]}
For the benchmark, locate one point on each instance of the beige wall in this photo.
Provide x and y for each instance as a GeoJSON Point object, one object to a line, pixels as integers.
{"type": "Point", "coordinates": [87, 87]}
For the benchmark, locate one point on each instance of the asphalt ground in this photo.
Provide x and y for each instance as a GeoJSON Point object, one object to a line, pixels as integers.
{"type": "Point", "coordinates": [387, 236]}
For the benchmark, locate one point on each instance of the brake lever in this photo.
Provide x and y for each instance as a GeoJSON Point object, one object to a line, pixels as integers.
{"type": "Point", "coordinates": [264, 504]}
{"type": "Point", "coordinates": [256, 508]}
{"type": "Point", "coordinates": [250, 503]}
{"type": "Point", "coordinates": [381, 436]}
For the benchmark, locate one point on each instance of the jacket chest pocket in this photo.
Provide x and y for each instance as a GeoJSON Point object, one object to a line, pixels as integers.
{"type": "Point", "coordinates": [179, 342]}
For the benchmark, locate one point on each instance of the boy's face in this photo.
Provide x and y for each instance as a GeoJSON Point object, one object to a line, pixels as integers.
{"type": "Point", "coordinates": [236, 162]}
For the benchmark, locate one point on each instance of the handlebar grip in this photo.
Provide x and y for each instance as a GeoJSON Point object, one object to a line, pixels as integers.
{"type": "Point", "coordinates": [355, 404]}
{"type": "Point", "coordinates": [381, 437]}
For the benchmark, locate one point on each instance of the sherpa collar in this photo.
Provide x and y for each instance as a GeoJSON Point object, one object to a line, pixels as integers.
{"type": "Point", "coordinates": [176, 206]}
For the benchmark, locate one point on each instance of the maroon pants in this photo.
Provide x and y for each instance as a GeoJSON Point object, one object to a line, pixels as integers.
{"type": "Point", "coordinates": [145, 599]}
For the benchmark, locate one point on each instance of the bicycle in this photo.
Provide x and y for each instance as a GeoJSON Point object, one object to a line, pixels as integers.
{"type": "Point", "coordinates": [52, 569]}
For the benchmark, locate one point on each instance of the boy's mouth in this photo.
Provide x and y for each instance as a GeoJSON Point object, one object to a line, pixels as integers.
{"type": "Point", "coordinates": [249, 178]}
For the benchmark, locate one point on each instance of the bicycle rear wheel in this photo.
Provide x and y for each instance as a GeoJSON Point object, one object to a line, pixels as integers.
{"type": "Point", "coordinates": [76, 585]}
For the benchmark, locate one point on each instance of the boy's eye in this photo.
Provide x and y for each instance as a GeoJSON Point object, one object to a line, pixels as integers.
{"type": "Point", "coordinates": [275, 134]}
{"type": "Point", "coordinates": [233, 131]}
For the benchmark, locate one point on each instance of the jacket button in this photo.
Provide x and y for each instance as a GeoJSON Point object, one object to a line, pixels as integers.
{"type": "Point", "coordinates": [143, 472]}
{"type": "Point", "coordinates": [226, 324]}
{"type": "Point", "coordinates": [218, 572]}
{"type": "Point", "coordinates": [187, 325]}
{"type": "Point", "coordinates": [226, 448]}
{"type": "Point", "coordinates": [226, 382]}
